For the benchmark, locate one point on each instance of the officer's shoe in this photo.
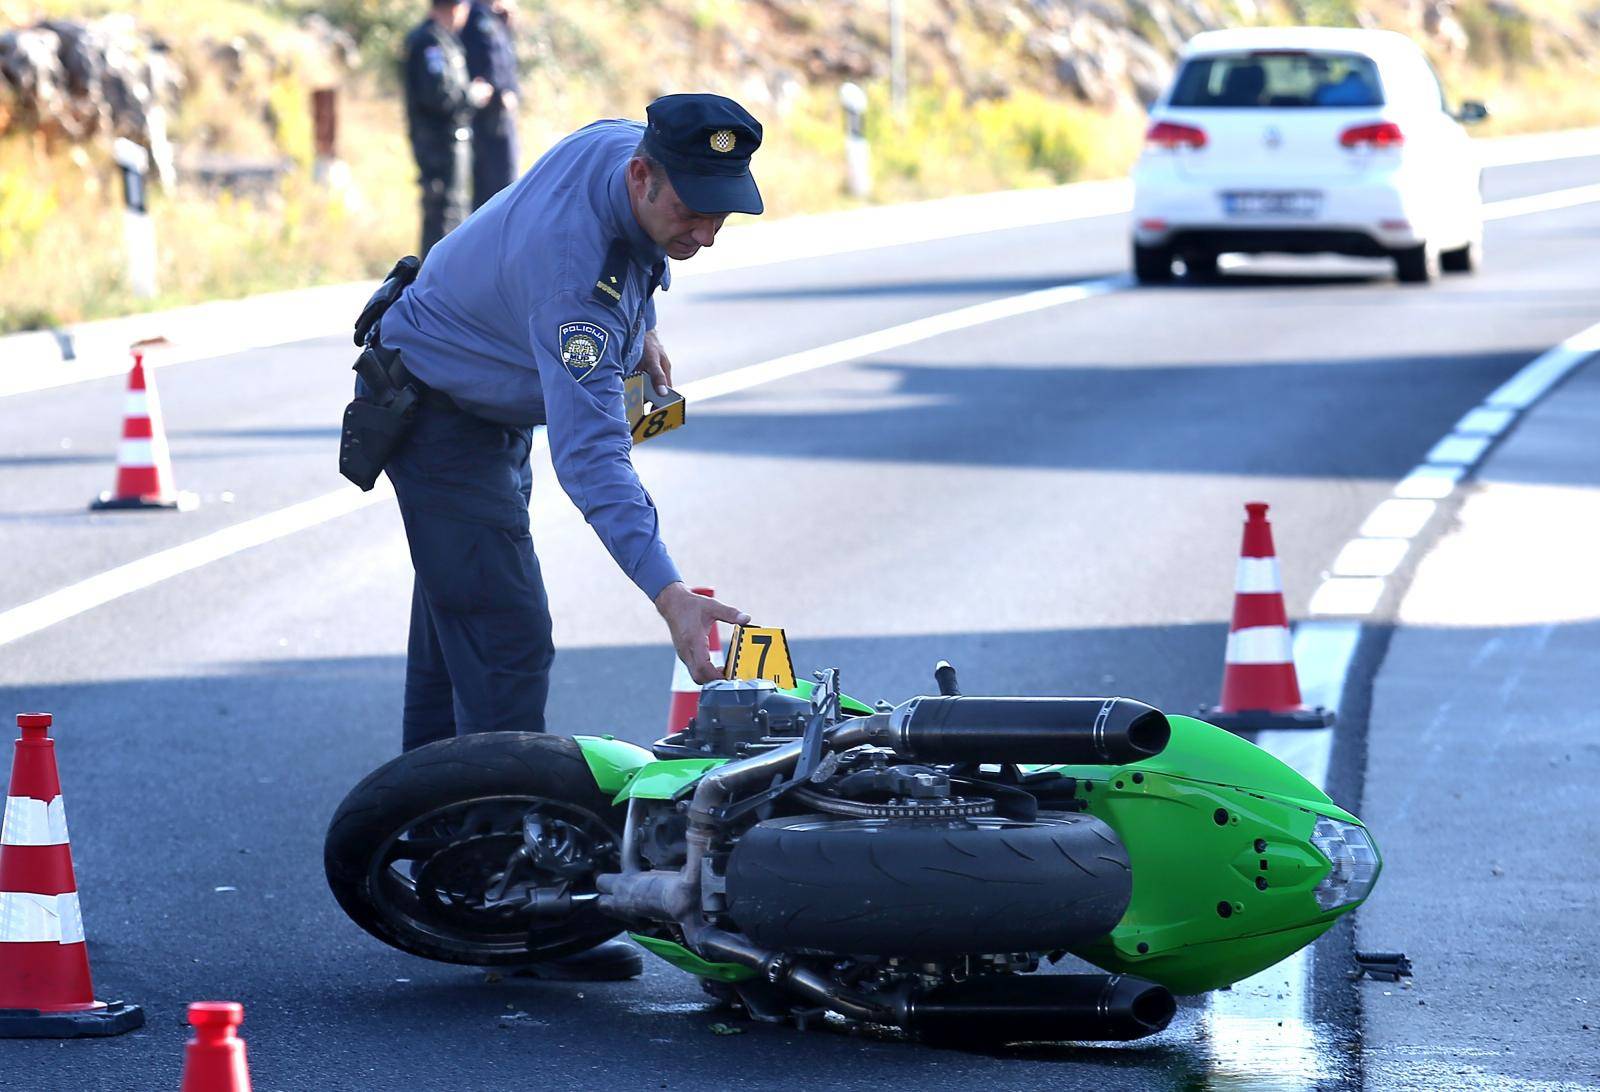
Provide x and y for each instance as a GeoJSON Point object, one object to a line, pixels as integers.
{"type": "Point", "coordinates": [609, 961]}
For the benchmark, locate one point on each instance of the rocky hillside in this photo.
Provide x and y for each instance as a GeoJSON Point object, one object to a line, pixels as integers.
{"type": "Point", "coordinates": [996, 93]}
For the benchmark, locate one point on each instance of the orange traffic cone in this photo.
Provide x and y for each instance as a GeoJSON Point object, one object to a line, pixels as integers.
{"type": "Point", "coordinates": [144, 465]}
{"type": "Point", "coordinates": [685, 699]}
{"type": "Point", "coordinates": [1259, 686]}
{"type": "Point", "coordinates": [213, 1061]}
{"type": "Point", "coordinates": [45, 990]}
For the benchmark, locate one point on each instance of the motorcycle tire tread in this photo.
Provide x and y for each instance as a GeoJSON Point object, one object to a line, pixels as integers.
{"type": "Point", "coordinates": [926, 889]}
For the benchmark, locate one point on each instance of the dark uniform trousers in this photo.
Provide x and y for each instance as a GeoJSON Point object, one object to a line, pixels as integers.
{"type": "Point", "coordinates": [445, 174]}
{"type": "Point", "coordinates": [480, 647]}
{"type": "Point", "coordinates": [494, 152]}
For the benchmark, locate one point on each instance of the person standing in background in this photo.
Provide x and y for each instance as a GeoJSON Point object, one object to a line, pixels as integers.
{"type": "Point", "coordinates": [492, 58]}
{"type": "Point", "coordinates": [440, 100]}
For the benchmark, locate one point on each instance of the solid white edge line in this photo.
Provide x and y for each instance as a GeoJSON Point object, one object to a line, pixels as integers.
{"type": "Point", "coordinates": [1541, 202]}
{"type": "Point", "coordinates": [102, 588]}
{"type": "Point", "coordinates": [1263, 1026]}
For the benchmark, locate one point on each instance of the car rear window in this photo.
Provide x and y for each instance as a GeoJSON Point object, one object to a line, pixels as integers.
{"type": "Point", "coordinates": [1278, 79]}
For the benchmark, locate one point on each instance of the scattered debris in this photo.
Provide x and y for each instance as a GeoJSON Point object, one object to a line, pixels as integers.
{"type": "Point", "coordinates": [1382, 966]}
{"type": "Point", "coordinates": [725, 1029]}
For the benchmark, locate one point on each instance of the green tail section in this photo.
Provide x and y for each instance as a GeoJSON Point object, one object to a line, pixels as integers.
{"type": "Point", "coordinates": [1192, 926]}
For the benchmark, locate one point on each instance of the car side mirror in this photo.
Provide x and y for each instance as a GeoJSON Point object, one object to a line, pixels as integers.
{"type": "Point", "coordinates": [1472, 112]}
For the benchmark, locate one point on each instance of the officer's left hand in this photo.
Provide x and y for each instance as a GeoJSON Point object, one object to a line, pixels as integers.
{"type": "Point", "coordinates": [655, 364]}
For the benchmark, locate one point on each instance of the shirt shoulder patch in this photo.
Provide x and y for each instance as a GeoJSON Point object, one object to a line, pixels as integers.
{"type": "Point", "coordinates": [613, 275]}
{"type": "Point", "coordinates": [583, 344]}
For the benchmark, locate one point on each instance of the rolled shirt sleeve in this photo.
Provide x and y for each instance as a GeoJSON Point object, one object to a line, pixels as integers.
{"type": "Point", "coordinates": [578, 346]}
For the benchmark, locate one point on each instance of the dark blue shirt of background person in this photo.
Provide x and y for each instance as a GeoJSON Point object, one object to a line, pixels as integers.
{"type": "Point", "coordinates": [492, 56]}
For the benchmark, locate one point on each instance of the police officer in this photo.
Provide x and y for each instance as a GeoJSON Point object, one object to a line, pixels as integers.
{"type": "Point", "coordinates": [440, 100]}
{"type": "Point", "coordinates": [532, 312]}
{"type": "Point", "coordinates": [492, 57]}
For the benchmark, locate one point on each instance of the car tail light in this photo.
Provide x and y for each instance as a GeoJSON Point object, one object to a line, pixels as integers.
{"type": "Point", "coordinates": [1172, 136]}
{"type": "Point", "coordinates": [1379, 134]}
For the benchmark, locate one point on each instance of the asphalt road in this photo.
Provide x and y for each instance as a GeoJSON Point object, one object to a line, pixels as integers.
{"type": "Point", "coordinates": [1051, 501]}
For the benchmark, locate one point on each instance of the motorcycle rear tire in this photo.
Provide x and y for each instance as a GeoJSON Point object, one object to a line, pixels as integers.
{"type": "Point", "coordinates": [456, 772]}
{"type": "Point", "coordinates": [928, 888]}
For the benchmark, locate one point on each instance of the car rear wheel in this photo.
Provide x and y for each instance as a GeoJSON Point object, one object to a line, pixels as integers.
{"type": "Point", "coordinates": [1416, 264]}
{"type": "Point", "coordinates": [1200, 265]}
{"type": "Point", "coordinates": [1464, 259]}
{"type": "Point", "coordinates": [1152, 264]}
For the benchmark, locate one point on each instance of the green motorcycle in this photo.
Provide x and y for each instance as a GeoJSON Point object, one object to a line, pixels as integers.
{"type": "Point", "coordinates": [912, 865]}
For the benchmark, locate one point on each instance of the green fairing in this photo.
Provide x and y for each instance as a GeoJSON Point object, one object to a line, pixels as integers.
{"type": "Point", "coordinates": [1169, 824]}
{"type": "Point", "coordinates": [685, 960]}
{"type": "Point", "coordinates": [667, 780]}
{"type": "Point", "coordinates": [612, 761]}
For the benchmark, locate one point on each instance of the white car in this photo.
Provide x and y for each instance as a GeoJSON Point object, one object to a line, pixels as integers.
{"type": "Point", "coordinates": [1306, 140]}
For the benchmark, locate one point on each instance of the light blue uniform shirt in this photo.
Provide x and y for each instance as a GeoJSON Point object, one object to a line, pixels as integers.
{"type": "Point", "coordinates": [533, 310]}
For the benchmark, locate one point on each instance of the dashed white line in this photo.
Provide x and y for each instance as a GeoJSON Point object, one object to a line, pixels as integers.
{"type": "Point", "coordinates": [75, 599]}
{"type": "Point", "coordinates": [1355, 584]}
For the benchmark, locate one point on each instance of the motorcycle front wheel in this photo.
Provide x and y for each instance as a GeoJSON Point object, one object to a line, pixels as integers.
{"type": "Point", "coordinates": [430, 852]}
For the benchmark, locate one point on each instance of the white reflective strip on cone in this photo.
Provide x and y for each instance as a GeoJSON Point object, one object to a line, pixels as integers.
{"type": "Point", "coordinates": [26, 918]}
{"type": "Point", "coordinates": [31, 822]}
{"type": "Point", "coordinates": [137, 405]}
{"type": "Point", "coordinates": [135, 453]}
{"type": "Point", "coordinates": [1260, 645]}
{"type": "Point", "coordinates": [1257, 574]}
{"type": "Point", "coordinates": [682, 681]}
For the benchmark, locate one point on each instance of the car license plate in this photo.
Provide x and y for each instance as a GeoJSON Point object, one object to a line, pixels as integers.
{"type": "Point", "coordinates": [1298, 204]}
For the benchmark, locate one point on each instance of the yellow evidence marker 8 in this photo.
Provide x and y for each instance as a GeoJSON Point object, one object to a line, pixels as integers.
{"type": "Point", "coordinates": [756, 652]}
{"type": "Point", "coordinates": [665, 413]}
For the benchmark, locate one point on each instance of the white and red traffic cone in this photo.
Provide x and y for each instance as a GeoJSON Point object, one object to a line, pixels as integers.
{"type": "Point", "coordinates": [45, 990]}
{"type": "Point", "coordinates": [214, 1061]}
{"type": "Point", "coordinates": [684, 701]}
{"type": "Point", "coordinates": [144, 465]}
{"type": "Point", "coordinates": [1259, 686]}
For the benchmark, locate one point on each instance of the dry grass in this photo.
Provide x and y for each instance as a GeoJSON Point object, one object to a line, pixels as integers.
{"type": "Point", "coordinates": [60, 212]}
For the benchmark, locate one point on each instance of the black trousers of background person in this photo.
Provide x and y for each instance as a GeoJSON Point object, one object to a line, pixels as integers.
{"type": "Point", "coordinates": [494, 152]}
{"type": "Point", "coordinates": [445, 175]}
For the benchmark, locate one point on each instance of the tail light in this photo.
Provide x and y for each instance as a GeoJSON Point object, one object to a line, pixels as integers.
{"type": "Point", "coordinates": [1380, 134]}
{"type": "Point", "coordinates": [1172, 136]}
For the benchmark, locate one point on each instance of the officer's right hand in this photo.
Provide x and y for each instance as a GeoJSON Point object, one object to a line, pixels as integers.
{"type": "Point", "coordinates": [479, 92]}
{"type": "Point", "coordinates": [689, 617]}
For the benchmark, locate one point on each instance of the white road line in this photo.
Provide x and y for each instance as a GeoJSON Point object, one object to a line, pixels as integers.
{"type": "Point", "coordinates": [1541, 202]}
{"type": "Point", "coordinates": [1262, 1029]}
{"type": "Point", "coordinates": [75, 599]}
{"type": "Point", "coordinates": [1263, 1026]}
{"type": "Point", "coordinates": [1356, 583]}
{"type": "Point", "coordinates": [212, 330]}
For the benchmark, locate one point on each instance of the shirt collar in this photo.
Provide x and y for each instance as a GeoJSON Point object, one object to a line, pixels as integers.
{"type": "Point", "coordinates": [644, 249]}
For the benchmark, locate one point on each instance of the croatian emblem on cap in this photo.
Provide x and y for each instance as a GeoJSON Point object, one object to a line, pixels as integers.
{"type": "Point", "coordinates": [723, 140]}
{"type": "Point", "coordinates": [582, 346]}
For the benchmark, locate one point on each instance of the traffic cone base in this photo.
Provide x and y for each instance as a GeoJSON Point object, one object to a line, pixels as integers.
{"type": "Point", "coordinates": [1261, 720]}
{"type": "Point", "coordinates": [106, 1018]}
{"type": "Point", "coordinates": [183, 502]}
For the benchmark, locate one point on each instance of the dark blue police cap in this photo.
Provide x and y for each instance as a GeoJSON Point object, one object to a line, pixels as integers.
{"type": "Point", "coordinates": [705, 143]}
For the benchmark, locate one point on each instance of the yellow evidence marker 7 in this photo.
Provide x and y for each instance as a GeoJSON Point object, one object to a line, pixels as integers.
{"type": "Point", "coordinates": [666, 409]}
{"type": "Point", "coordinates": [756, 652]}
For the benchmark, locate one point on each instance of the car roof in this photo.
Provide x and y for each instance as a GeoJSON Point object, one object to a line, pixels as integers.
{"type": "Point", "coordinates": [1373, 43]}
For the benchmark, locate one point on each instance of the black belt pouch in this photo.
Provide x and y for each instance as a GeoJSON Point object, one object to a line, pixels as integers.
{"type": "Point", "coordinates": [386, 402]}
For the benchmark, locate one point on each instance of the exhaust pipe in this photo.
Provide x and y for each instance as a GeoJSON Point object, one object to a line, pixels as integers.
{"type": "Point", "coordinates": [1043, 1008]}
{"type": "Point", "coordinates": [1090, 731]}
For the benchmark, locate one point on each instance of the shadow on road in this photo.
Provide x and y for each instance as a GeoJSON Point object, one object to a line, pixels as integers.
{"type": "Point", "coordinates": [1294, 417]}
